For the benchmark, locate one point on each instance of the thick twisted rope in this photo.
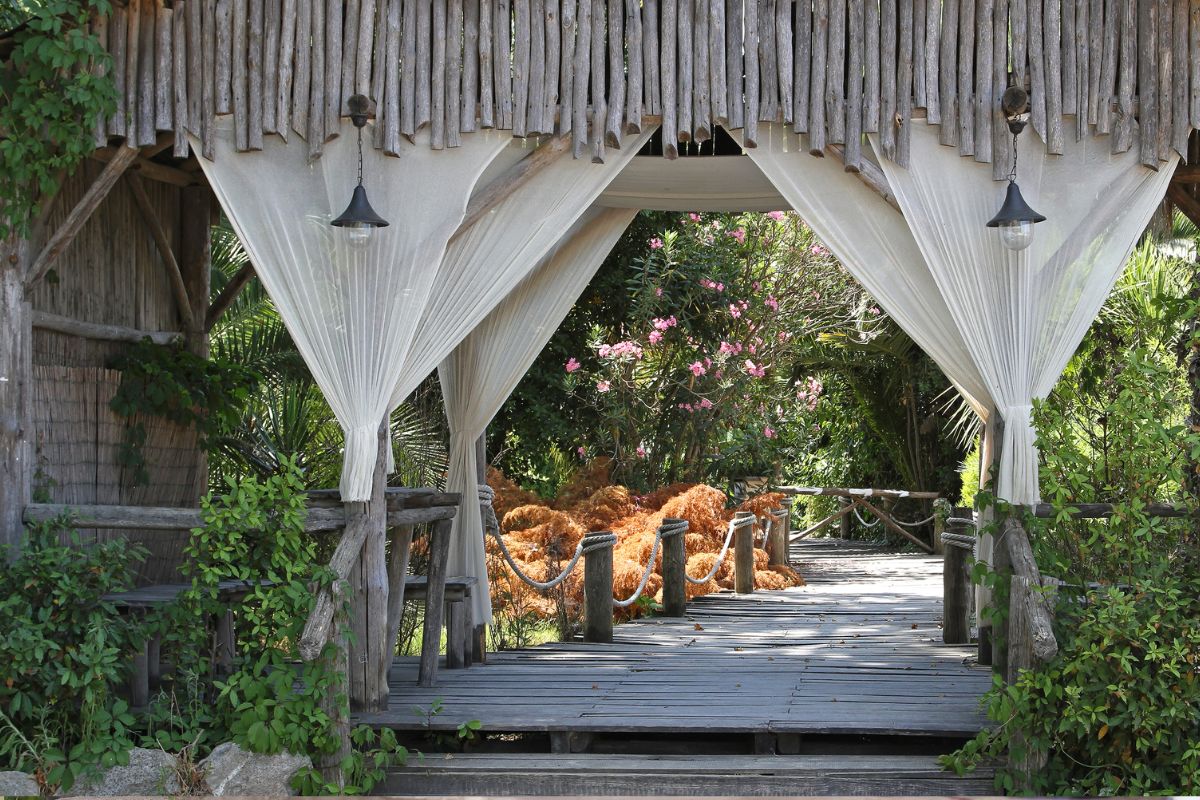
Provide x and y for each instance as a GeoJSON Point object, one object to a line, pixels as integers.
{"type": "Point", "coordinates": [862, 521]}
{"type": "Point", "coordinates": [965, 541]}
{"type": "Point", "coordinates": [734, 524]}
{"type": "Point", "coordinates": [676, 527]}
{"type": "Point", "coordinates": [928, 519]}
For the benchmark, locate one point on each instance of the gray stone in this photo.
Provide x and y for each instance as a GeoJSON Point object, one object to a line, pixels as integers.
{"type": "Point", "coordinates": [230, 770]}
{"type": "Point", "coordinates": [18, 784]}
{"type": "Point", "coordinates": [149, 772]}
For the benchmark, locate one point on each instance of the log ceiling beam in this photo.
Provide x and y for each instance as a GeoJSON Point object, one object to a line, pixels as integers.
{"type": "Point", "coordinates": [869, 173]}
{"type": "Point", "coordinates": [183, 303]}
{"type": "Point", "coordinates": [517, 176]}
{"type": "Point", "coordinates": [66, 233]}
{"type": "Point", "coordinates": [44, 320]}
{"type": "Point", "coordinates": [152, 170]}
{"type": "Point", "coordinates": [228, 295]}
{"type": "Point", "coordinates": [1189, 205]}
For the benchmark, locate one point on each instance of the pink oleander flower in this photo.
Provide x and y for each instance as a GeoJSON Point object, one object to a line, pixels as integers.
{"type": "Point", "coordinates": [818, 250]}
{"type": "Point", "coordinates": [769, 432]}
{"type": "Point", "coordinates": [641, 452]}
{"type": "Point", "coordinates": [776, 215]}
{"type": "Point", "coordinates": [757, 285]}
{"type": "Point", "coordinates": [707, 362]}
{"type": "Point", "coordinates": [697, 368]}
{"type": "Point", "coordinates": [772, 303]}
{"type": "Point", "coordinates": [726, 347]}
{"type": "Point", "coordinates": [757, 371]}
{"type": "Point", "coordinates": [739, 234]}
{"type": "Point", "coordinates": [572, 365]}
{"type": "Point", "coordinates": [620, 349]}
{"type": "Point", "coordinates": [655, 337]}
{"type": "Point", "coordinates": [753, 350]}
{"type": "Point", "coordinates": [874, 310]}
{"type": "Point", "coordinates": [603, 386]}
{"type": "Point", "coordinates": [658, 291]}
{"type": "Point", "coordinates": [663, 324]}
{"type": "Point", "coordinates": [734, 311]}
{"type": "Point", "coordinates": [694, 217]}
{"type": "Point", "coordinates": [718, 374]}
{"type": "Point", "coordinates": [581, 450]}
{"type": "Point", "coordinates": [706, 403]}
{"type": "Point", "coordinates": [656, 243]}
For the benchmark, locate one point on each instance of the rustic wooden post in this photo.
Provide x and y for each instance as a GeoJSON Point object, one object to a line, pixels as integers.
{"type": "Point", "coordinates": [956, 582]}
{"type": "Point", "coordinates": [195, 260]}
{"type": "Point", "coordinates": [598, 589]}
{"type": "Point", "coordinates": [743, 555]}
{"type": "Point", "coordinates": [435, 597]}
{"type": "Point", "coordinates": [456, 621]}
{"type": "Point", "coordinates": [370, 649]}
{"type": "Point", "coordinates": [786, 534]}
{"type": "Point", "coordinates": [334, 700]}
{"type": "Point", "coordinates": [16, 390]}
{"type": "Point", "coordinates": [479, 631]}
{"type": "Point", "coordinates": [844, 521]}
{"type": "Point", "coordinates": [1002, 566]}
{"type": "Point", "coordinates": [993, 436]}
{"type": "Point", "coordinates": [674, 568]}
{"type": "Point", "coordinates": [939, 524]}
{"type": "Point", "coordinates": [777, 543]}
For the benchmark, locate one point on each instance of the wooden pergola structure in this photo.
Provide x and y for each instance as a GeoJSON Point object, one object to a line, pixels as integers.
{"type": "Point", "coordinates": [577, 74]}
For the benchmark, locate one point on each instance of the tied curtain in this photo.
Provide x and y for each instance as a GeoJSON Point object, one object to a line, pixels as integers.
{"type": "Point", "coordinates": [485, 368]}
{"type": "Point", "coordinates": [1002, 325]}
{"type": "Point", "coordinates": [352, 308]}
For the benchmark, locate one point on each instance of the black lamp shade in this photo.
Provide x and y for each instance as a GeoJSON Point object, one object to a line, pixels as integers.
{"type": "Point", "coordinates": [359, 213]}
{"type": "Point", "coordinates": [1014, 210]}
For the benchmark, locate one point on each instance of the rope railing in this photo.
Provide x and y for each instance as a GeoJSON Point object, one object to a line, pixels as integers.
{"type": "Point", "coordinates": [740, 521]}
{"type": "Point", "coordinates": [676, 527]}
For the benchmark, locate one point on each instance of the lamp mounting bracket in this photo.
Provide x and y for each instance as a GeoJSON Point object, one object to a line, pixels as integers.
{"type": "Point", "coordinates": [1015, 106]}
{"type": "Point", "coordinates": [360, 106]}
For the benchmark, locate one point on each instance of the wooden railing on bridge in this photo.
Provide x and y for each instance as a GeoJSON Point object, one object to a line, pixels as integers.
{"type": "Point", "coordinates": [852, 500]}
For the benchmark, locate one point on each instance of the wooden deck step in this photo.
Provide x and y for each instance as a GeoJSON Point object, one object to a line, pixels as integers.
{"type": "Point", "coordinates": [596, 775]}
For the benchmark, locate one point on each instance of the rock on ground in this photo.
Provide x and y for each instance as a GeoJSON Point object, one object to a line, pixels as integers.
{"type": "Point", "coordinates": [230, 770]}
{"type": "Point", "coordinates": [17, 784]}
{"type": "Point", "coordinates": [149, 772]}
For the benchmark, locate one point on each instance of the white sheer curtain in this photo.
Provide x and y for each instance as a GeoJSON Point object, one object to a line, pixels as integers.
{"type": "Point", "coordinates": [480, 374]}
{"type": "Point", "coordinates": [1022, 314]}
{"type": "Point", "coordinates": [352, 310]}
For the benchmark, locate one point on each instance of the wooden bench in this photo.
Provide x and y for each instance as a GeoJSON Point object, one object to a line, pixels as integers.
{"type": "Point", "coordinates": [147, 661]}
{"type": "Point", "coordinates": [460, 640]}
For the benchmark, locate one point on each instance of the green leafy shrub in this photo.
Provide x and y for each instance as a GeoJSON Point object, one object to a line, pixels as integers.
{"type": "Point", "coordinates": [63, 651]}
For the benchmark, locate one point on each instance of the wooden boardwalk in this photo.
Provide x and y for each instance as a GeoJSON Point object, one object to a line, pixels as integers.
{"type": "Point", "coordinates": [856, 651]}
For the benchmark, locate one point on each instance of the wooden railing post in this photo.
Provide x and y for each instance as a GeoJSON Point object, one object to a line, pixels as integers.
{"type": "Point", "coordinates": [777, 542]}
{"type": "Point", "coordinates": [743, 555]}
{"type": "Point", "coordinates": [956, 581]}
{"type": "Point", "coordinates": [844, 506]}
{"type": "Point", "coordinates": [674, 568]}
{"type": "Point", "coordinates": [597, 590]}
{"type": "Point", "coordinates": [786, 530]}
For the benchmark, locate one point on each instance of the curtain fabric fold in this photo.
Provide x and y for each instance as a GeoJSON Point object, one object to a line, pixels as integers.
{"type": "Point", "coordinates": [352, 308]}
{"type": "Point", "coordinates": [485, 368]}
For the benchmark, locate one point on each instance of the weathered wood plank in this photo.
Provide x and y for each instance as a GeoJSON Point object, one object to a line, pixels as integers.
{"type": "Point", "coordinates": [835, 74]}
{"type": "Point", "coordinates": [616, 73]}
{"type": "Point", "coordinates": [854, 86]}
{"type": "Point", "coordinates": [438, 78]}
{"type": "Point", "coordinates": [750, 60]}
{"type": "Point", "coordinates": [1037, 69]}
{"type": "Point", "coordinates": [1180, 110]}
{"type": "Point", "coordinates": [984, 111]}
{"type": "Point", "coordinates": [718, 75]}
{"type": "Point", "coordinates": [1147, 77]}
{"type": "Point", "coordinates": [933, 46]}
{"type": "Point", "coordinates": [904, 85]}
{"type": "Point", "coordinates": [817, 130]}
{"type": "Point", "coordinates": [522, 47]}
{"type": "Point", "coordinates": [579, 92]}
{"type": "Point", "coordinates": [254, 75]}
{"type": "Point", "coordinates": [888, 38]}
{"type": "Point", "coordinates": [948, 85]}
{"type": "Point", "coordinates": [965, 105]}
{"type": "Point", "coordinates": [734, 61]}
{"type": "Point", "coordinates": [683, 53]}
{"type": "Point", "coordinates": [599, 90]}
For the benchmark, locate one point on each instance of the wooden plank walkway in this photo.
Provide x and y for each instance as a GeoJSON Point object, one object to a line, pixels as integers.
{"type": "Point", "coordinates": [856, 651]}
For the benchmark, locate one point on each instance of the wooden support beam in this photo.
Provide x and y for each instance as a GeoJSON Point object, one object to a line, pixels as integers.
{"type": "Point", "coordinates": [826, 491]}
{"type": "Point", "coordinates": [228, 295]}
{"type": "Point", "coordinates": [1105, 510]}
{"type": "Point", "coordinates": [80, 214]}
{"type": "Point", "coordinates": [44, 320]}
{"type": "Point", "coordinates": [16, 393]}
{"type": "Point", "coordinates": [183, 303]}
{"type": "Point", "coordinates": [1189, 205]}
{"type": "Point", "coordinates": [891, 524]}
{"type": "Point", "coordinates": [152, 170]}
{"type": "Point", "coordinates": [835, 516]}
{"type": "Point", "coordinates": [512, 180]}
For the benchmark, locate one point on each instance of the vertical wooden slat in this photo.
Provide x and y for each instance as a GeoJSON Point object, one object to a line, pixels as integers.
{"type": "Point", "coordinates": [933, 46]}
{"type": "Point", "coordinates": [616, 73]}
{"type": "Point", "coordinates": [370, 19]}
{"type": "Point", "coordinates": [179, 76]}
{"type": "Point", "coordinates": [403, 69]}
{"type": "Point", "coordinates": [254, 74]}
{"type": "Point", "coordinates": [537, 66]}
{"type": "Point", "coordinates": [735, 79]}
{"type": "Point", "coordinates": [701, 97]}
{"type": "Point", "coordinates": [683, 53]}
{"type": "Point", "coordinates": [750, 90]}
{"type": "Point", "coordinates": [333, 63]}
{"type": "Point", "coordinates": [854, 84]}
{"type": "Point", "coordinates": [817, 131]}
{"type": "Point", "coordinates": [316, 95]}
{"type": "Point", "coordinates": [835, 74]}
{"type": "Point", "coordinates": [1019, 25]}
{"type": "Point", "coordinates": [208, 94]}
{"type": "Point", "coordinates": [469, 102]}
{"type": "Point", "coordinates": [1107, 93]}
{"type": "Point", "coordinates": [1001, 151]}
{"type": "Point", "coordinates": [1194, 64]}
{"type": "Point", "coordinates": [1095, 62]}
{"type": "Point", "coordinates": [1083, 45]}
{"type": "Point", "coordinates": [146, 95]}
{"type": "Point", "coordinates": [1180, 116]}
{"type": "Point", "coordinates": [224, 76]}
{"type": "Point", "coordinates": [194, 56]}
{"type": "Point", "coordinates": [1127, 75]}
{"type": "Point", "coordinates": [984, 102]}
{"type": "Point", "coordinates": [163, 62]}
{"type": "Point", "coordinates": [871, 75]}
{"type": "Point", "coordinates": [288, 53]}
{"type": "Point", "coordinates": [717, 65]}
{"type": "Point", "coordinates": [391, 82]}
{"type": "Point", "coordinates": [303, 67]}
{"type": "Point", "coordinates": [768, 71]}
{"type": "Point", "coordinates": [784, 56]}
{"type": "Point", "coordinates": [238, 44]}
{"type": "Point", "coordinates": [351, 11]}
{"type": "Point", "coordinates": [1052, 43]}
{"type": "Point", "coordinates": [487, 97]}
{"type": "Point", "coordinates": [1037, 68]}
{"type": "Point", "coordinates": [579, 91]}
{"type": "Point", "coordinates": [502, 64]}
{"type": "Point", "coordinates": [1165, 75]}
{"type": "Point", "coordinates": [423, 58]}
{"type": "Point", "coordinates": [888, 38]}
{"type": "Point", "coordinates": [272, 14]}
{"type": "Point", "coordinates": [566, 77]}
{"type": "Point", "coordinates": [651, 74]}
{"type": "Point", "coordinates": [802, 73]}
{"type": "Point", "coordinates": [454, 69]}
{"type": "Point", "coordinates": [1147, 74]}
{"type": "Point", "coordinates": [904, 84]}
{"type": "Point", "coordinates": [437, 72]}
{"type": "Point", "coordinates": [965, 106]}
{"type": "Point", "coordinates": [133, 46]}
{"type": "Point", "coordinates": [1070, 86]}
{"type": "Point", "coordinates": [919, 53]}
{"type": "Point", "coordinates": [520, 66]}
{"type": "Point", "coordinates": [599, 90]}
{"type": "Point", "coordinates": [553, 58]}
{"type": "Point", "coordinates": [99, 27]}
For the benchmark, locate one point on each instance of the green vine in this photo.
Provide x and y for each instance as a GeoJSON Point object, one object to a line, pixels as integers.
{"type": "Point", "coordinates": [169, 382]}
{"type": "Point", "coordinates": [51, 92]}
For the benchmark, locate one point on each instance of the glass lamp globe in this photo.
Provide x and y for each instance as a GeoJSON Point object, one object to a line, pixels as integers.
{"type": "Point", "coordinates": [1015, 220]}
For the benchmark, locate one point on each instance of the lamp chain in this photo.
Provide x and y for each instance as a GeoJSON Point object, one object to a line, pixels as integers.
{"type": "Point", "coordinates": [1012, 175]}
{"type": "Point", "coordinates": [360, 160]}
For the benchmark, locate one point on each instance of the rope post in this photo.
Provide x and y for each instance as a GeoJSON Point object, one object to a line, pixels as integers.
{"type": "Point", "coordinates": [743, 554]}
{"type": "Point", "coordinates": [777, 542]}
{"type": "Point", "coordinates": [597, 587]}
{"type": "Point", "coordinates": [958, 542]}
{"type": "Point", "coordinates": [844, 521]}
{"type": "Point", "coordinates": [786, 525]}
{"type": "Point", "coordinates": [674, 567]}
